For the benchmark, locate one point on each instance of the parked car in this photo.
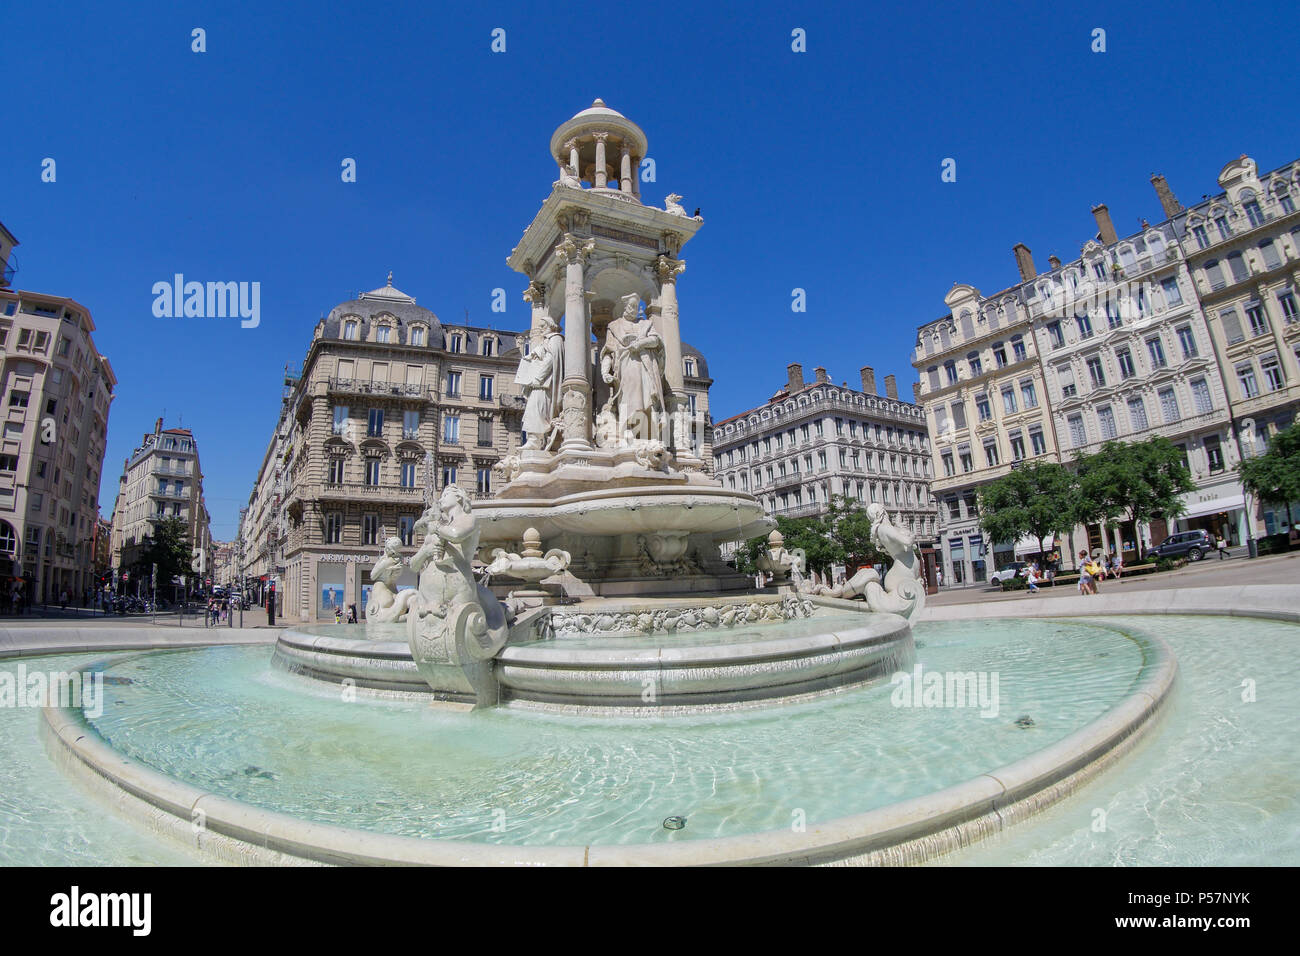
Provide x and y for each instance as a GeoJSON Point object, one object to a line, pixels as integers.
{"type": "Point", "coordinates": [1014, 569]}
{"type": "Point", "coordinates": [1193, 545]}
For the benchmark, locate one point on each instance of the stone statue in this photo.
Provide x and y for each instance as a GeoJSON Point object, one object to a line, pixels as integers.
{"type": "Point", "coordinates": [453, 622]}
{"type": "Point", "coordinates": [386, 603]}
{"type": "Point", "coordinates": [540, 373]}
{"type": "Point", "coordinates": [632, 362]}
{"type": "Point", "coordinates": [673, 204]}
{"type": "Point", "coordinates": [569, 177]}
{"type": "Point", "coordinates": [903, 591]}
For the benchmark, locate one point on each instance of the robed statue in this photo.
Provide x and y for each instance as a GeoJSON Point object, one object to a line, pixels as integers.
{"type": "Point", "coordinates": [539, 376]}
{"type": "Point", "coordinates": [632, 363]}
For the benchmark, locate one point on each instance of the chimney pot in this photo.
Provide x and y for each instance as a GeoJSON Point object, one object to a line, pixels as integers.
{"type": "Point", "coordinates": [819, 374]}
{"type": "Point", "coordinates": [916, 392]}
{"type": "Point", "coordinates": [869, 380]}
{"type": "Point", "coordinates": [1054, 262]}
{"type": "Point", "coordinates": [1024, 261]}
{"type": "Point", "coordinates": [891, 387]}
{"type": "Point", "coordinates": [795, 380]}
{"type": "Point", "coordinates": [1105, 227]}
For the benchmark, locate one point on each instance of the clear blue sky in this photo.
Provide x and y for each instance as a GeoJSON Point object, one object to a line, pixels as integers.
{"type": "Point", "coordinates": [818, 170]}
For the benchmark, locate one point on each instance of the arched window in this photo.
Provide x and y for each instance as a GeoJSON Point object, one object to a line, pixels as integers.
{"type": "Point", "coordinates": [1283, 195]}
{"type": "Point", "coordinates": [8, 540]}
{"type": "Point", "coordinates": [350, 329]}
{"type": "Point", "coordinates": [417, 335]}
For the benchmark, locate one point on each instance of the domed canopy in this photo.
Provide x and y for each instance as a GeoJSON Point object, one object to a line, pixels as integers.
{"type": "Point", "coordinates": [603, 143]}
{"type": "Point", "coordinates": [387, 294]}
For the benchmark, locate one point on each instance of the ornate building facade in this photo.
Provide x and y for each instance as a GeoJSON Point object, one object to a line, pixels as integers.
{"type": "Point", "coordinates": [1184, 330]}
{"type": "Point", "coordinates": [815, 440]}
{"type": "Point", "coordinates": [57, 391]}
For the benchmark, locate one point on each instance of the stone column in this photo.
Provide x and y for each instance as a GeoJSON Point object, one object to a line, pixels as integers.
{"type": "Point", "coordinates": [625, 168]}
{"type": "Point", "coordinates": [576, 386]}
{"type": "Point", "coordinates": [667, 326]}
{"type": "Point", "coordinates": [600, 177]}
{"type": "Point", "coordinates": [636, 177]}
{"type": "Point", "coordinates": [536, 295]}
{"type": "Point", "coordinates": [572, 147]}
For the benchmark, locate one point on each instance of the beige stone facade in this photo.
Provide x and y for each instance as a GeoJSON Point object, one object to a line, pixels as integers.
{"type": "Point", "coordinates": [57, 389]}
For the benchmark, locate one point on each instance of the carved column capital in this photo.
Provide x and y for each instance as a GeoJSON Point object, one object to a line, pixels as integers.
{"type": "Point", "coordinates": [571, 249]}
{"type": "Point", "coordinates": [536, 292]}
{"type": "Point", "coordinates": [600, 137]}
{"type": "Point", "coordinates": [668, 269]}
{"type": "Point", "coordinates": [571, 144]}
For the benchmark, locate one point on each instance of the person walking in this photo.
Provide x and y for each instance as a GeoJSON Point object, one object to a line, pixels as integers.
{"type": "Point", "coordinates": [1032, 578]}
{"type": "Point", "coordinates": [1085, 575]}
{"type": "Point", "coordinates": [1222, 547]}
{"type": "Point", "coordinates": [938, 577]}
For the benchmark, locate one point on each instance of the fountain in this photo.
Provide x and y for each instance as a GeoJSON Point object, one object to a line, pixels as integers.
{"type": "Point", "coordinates": [578, 668]}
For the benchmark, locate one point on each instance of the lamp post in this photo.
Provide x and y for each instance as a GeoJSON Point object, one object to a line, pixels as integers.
{"type": "Point", "coordinates": [1248, 426]}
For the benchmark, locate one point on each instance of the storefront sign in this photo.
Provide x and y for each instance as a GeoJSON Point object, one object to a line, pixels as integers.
{"type": "Point", "coordinates": [345, 558]}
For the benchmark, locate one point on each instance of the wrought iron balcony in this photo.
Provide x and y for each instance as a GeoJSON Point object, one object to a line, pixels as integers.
{"type": "Point", "coordinates": [355, 386]}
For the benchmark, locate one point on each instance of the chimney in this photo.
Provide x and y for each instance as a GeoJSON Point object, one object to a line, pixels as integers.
{"type": "Point", "coordinates": [157, 427]}
{"type": "Point", "coordinates": [891, 387]}
{"type": "Point", "coordinates": [869, 380]}
{"type": "Point", "coordinates": [1168, 203]}
{"type": "Point", "coordinates": [819, 374]}
{"type": "Point", "coordinates": [1024, 261]}
{"type": "Point", "coordinates": [1104, 225]}
{"type": "Point", "coordinates": [1054, 262]}
{"type": "Point", "coordinates": [795, 372]}
{"type": "Point", "coordinates": [916, 392]}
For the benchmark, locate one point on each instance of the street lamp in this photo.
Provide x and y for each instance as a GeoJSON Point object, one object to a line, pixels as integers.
{"type": "Point", "coordinates": [1247, 425]}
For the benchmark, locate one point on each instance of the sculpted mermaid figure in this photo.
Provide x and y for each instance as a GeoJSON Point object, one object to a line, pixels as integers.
{"type": "Point", "coordinates": [903, 591]}
{"type": "Point", "coordinates": [386, 603]}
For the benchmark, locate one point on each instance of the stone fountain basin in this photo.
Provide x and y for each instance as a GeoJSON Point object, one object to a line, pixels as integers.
{"type": "Point", "coordinates": [652, 509]}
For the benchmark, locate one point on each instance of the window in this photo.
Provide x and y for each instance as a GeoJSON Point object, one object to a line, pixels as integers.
{"type": "Point", "coordinates": [487, 345]}
{"type": "Point", "coordinates": [18, 399]}
{"type": "Point", "coordinates": [485, 386]}
{"type": "Point", "coordinates": [1156, 349]}
{"type": "Point", "coordinates": [370, 529]}
{"type": "Point", "coordinates": [1214, 453]}
{"type": "Point", "coordinates": [1078, 436]}
{"type": "Point", "coordinates": [1214, 273]}
{"type": "Point", "coordinates": [1085, 326]}
{"type": "Point", "coordinates": [406, 530]}
{"type": "Point", "coordinates": [333, 528]}
{"type": "Point", "coordinates": [381, 333]}
{"type": "Point", "coordinates": [949, 469]}
{"type": "Point", "coordinates": [1027, 394]}
{"type": "Point", "coordinates": [408, 474]}
{"type": "Point", "coordinates": [8, 462]}
{"type": "Point", "coordinates": [1272, 372]}
{"type": "Point", "coordinates": [1202, 237]}
{"type": "Point", "coordinates": [1065, 375]}
{"type": "Point", "coordinates": [1255, 316]}
{"type": "Point", "coordinates": [485, 481]}
{"type": "Point", "coordinates": [1269, 251]}
{"type": "Point", "coordinates": [1106, 421]}
{"type": "Point", "coordinates": [1114, 315]}
{"type": "Point", "coordinates": [485, 431]}
{"type": "Point", "coordinates": [417, 336]}
{"type": "Point", "coordinates": [1173, 296]}
{"type": "Point", "coordinates": [1037, 442]}
{"type": "Point", "coordinates": [340, 419]}
{"type": "Point", "coordinates": [1018, 348]}
{"type": "Point", "coordinates": [1284, 198]}
{"type": "Point", "coordinates": [24, 337]}
{"type": "Point", "coordinates": [1246, 376]}
{"type": "Point", "coordinates": [372, 471]}
{"type": "Point", "coordinates": [42, 339]}
{"type": "Point", "coordinates": [1231, 327]}
{"type": "Point", "coordinates": [1017, 446]}
{"type": "Point", "coordinates": [454, 343]}
{"type": "Point", "coordinates": [1137, 414]}
{"type": "Point", "coordinates": [1096, 372]}
{"type": "Point", "coordinates": [1054, 332]}
{"type": "Point", "coordinates": [958, 416]}
{"type": "Point", "coordinates": [991, 454]}
{"type": "Point", "coordinates": [954, 508]}
{"type": "Point", "coordinates": [1287, 301]}
{"type": "Point", "coordinates": [821, 461]}
{"type": "Point", "coordinates": [375, 423]}
{"type": "Point", "coordinates": [1009, 401]}
{"type": "Point", "coordinates": [999, 354]}
{"type": "Point", "coordinates": [1225, 231]}
{"type": "Point", "coordinates": [1125, 359]}
{"type": "Point", "coordinates": [967, 463]}
{"type": "Point", "coordinates": [1253, 212]}
{"type": "Point", "coordinates": [1201, 396]}
{"type": "Point", "coordinates": [950, 367]}
{"type": "Point", "coordinates": [982, 407]}
{"type": "Point", "coordinates": [1187, 341]}
{"type": "Point", "coordinates": [448, 475]}
{"type": "Point", "coordinates": [451, 429]}
{"type": "Point", "coordinates": [689, 366]}
{"type": "Point", "coordinates": [336, 470]}
{"type": "Point", "coordinates": [453, 384]}
{"type": "Point", "coordinates": [816, 425]}
{"type": "Point", "coordinates": [1237, 263]}
{"type": "Point", "coordinates": [410, 424]}
{"type": "Point", "coordinates": [1169, 405]}
{"type": "Point", "coordinates": [349, 332]}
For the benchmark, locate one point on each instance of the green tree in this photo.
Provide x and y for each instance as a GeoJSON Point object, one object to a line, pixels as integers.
{"type": "Point", "coordinates": [848, 524]}
{"type": "Point", "coordinates": [1274, 476]}
{"type": "Point", "coordinates": [1037, 500]}
{"type": "Point", "coordinates": [1133, 481]}
{"type": "Point", "coordinates": [169, 548]}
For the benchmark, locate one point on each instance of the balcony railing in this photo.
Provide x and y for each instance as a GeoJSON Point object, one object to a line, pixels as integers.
{"type": "Point", "coordinates": [359, 489]}
{"type": "Point", "coordinates": [355, 386]}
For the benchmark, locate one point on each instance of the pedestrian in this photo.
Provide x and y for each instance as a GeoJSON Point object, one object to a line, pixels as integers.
{"type": "Point", "coordinates": [352, 614]}
{"type": "Point", "coordinates": [1119, 565]}
{"type": "Point", "coordinates": [1095, 569]}
{"type": "Point", "coordinates": [1222, 547]}
{"type": "Point", "coordinates": [1032, 578]}
{"type": "Point", "coordinates": [938, 577]}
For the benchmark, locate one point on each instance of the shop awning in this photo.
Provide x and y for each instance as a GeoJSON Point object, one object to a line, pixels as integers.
{"type": "Point", "coordinates": [1029, 545]}
{"type": "Point", "coordinates": [1197, 508]}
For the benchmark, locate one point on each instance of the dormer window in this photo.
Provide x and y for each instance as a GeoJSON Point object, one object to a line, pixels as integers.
{"type": "Point", "coordinates": [417, 335]}
{"type": "Point", "coordinates": [689, 364]}
{"type": "Point", "coordinates": [382, 333]}
{"type": "Point", "coordinates": [454, 342]}
{"type": "Point", "coordinates": [350, 330]}
{"type": "Point", "coordinates": [488, 345]}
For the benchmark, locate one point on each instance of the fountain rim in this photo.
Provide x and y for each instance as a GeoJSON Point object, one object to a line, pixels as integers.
{"type": "Point", "coordinates": [901, 832]}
